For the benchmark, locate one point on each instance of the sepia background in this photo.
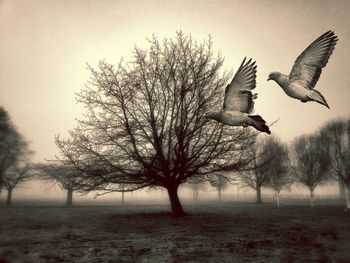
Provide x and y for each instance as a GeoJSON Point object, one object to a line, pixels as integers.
{"type": "Point", "coordinates": [45, 45]}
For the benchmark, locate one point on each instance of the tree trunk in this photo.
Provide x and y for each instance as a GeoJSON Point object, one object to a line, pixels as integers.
{"type": "Point", "coordinates": [69, 201]}
{"type": "Point", "coordinates": [123, 198]}
{"type": "Point", "coordinates": [258, 195]}
{"type": "Point", "coordinates": [9, 197]}
{"type": "Point", "coordinates": [312, 198]}
{"type": "Point", "coordinates": [346, 194]}
{"type": "Point", "coordinates": [277, 198]}
{"type": "Point", "coordinates": [219, 193]}
{"type": "Point", "coordinates": [176, 206]}
{"type": "Point", "coordinates": [1, 182]}
{"type": "Point", "coordinates": [341, 189]}
{"type": "Point", "coordinates": [195, 193]}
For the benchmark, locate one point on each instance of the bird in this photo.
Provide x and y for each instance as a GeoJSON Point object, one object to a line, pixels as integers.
{"type": "Point", "coordinates": [307, 69]}
{"type": "Point", "coordinates": [239, 100]}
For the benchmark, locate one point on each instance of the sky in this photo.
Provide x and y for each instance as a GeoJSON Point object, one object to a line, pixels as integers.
{"type": "Point", "coordinates": [45, 45]}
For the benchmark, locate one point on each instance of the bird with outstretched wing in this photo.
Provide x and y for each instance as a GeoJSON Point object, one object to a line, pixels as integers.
{"type": "Point", "coordinates": [307, 70]}
{"type": "Point", "coordinates": [239, 100]}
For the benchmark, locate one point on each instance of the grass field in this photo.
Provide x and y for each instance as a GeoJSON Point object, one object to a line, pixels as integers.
{"type": "Point", "coordinates": [211, 232]}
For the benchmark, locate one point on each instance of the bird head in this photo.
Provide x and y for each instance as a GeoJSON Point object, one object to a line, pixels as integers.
{"type": "Point", "coordinates": [273, 76]}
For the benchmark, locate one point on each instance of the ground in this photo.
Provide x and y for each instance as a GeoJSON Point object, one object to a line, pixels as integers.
{"type": "Point", "coordinates": [214, 232]}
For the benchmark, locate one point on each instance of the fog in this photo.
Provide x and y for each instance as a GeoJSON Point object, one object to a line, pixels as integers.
{"type": "Point", "coordinates": [47, 193]}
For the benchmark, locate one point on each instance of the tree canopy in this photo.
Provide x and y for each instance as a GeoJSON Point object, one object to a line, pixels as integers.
{"type": "Point", "coordinates": [278, 166]}
{"type": "Point", "coordinates": [309, 163]}
{"type": "Point", "coordinates": [12, 145]}
{"type": "Point", "coordinates": [335, 146]}
{"type": "Point", "coordinates": [145, 125]}
{"type": "Point", "coordinates": [257, 175]}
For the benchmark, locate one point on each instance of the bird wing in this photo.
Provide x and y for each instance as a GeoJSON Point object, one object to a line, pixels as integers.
{"type": "Point", "coordinates": [238, 96]}
{"type": "Point", "coordinates": [308, 66]}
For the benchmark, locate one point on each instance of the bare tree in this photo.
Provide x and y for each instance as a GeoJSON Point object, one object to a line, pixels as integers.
{"type": "Point", "coordinates": [196, 187]}
{"type": "Point", "coordinates": [309, 163]}
{"type": "Point", "coordinates": [278, 167]}
{"type": "Point", "coordinates": [64, 175]}
{"type": "Point", "coordinates": [145, 124]}
{"type": "Point", "coordinates": [13, 177]}
{"type": "Point", "coordinates": [257, 175]}
{"type": "Point", "coordinates": [335, 138]}
{"type": "Point", "coordinates": [12, 145]}
{"type": "Point", "coordinates": [220, 182]}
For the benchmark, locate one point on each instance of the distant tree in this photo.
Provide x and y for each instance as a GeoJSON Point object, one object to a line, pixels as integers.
{"type": "Point", "coordinates": [257, 176]}
{"type": "Point", "coordinates": [196, 187]}
{"type": "Point", "coordinates": [309, 163]}
{"type": "Point", "coordinates": [15, 176]}
{"type": "Point", "coordinates": [145, 124]}
{"type": "Point", "coordinates": [12, 145]}
{"type": "Point", "coordinates": [341, 188]}
{"type": "Point", "coordinates": [220, 182]}
{"type": "Point", "coordinates": [278, 166]}
{"type": "Point", "coordinates": [335, 137]}
{"type": "Point", "coordinates": [64, 175]}
{"type": "Point", "coordinates": [122, 201]}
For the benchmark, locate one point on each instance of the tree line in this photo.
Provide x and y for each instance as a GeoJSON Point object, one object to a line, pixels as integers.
{"type": "Point", "coordinates": [309, 161]}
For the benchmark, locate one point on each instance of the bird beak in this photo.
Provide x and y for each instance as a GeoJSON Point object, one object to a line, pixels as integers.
{"type": "Point", "coordinates": [268, 78]}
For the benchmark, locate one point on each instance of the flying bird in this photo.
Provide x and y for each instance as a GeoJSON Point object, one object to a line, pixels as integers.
{"type": "Point", "coordinates": [307, 70]}
{"type": "Point", "coordinates": [238, 102]}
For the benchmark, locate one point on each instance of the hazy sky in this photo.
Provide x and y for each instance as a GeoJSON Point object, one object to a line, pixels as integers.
{"type": "Point", "coordinates": [44, 47]}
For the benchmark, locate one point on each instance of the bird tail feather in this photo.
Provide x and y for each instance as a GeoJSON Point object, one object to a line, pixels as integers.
{"type": "Point", "coordinates": [318, 97]}
{"type": "Point", "coordinates": [259, 123]}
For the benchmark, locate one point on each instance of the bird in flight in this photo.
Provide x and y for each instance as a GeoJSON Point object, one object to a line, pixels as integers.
{"type": "Point", "coordinates": [307, 70]}
{"type": "Point", "coordinates": [239, 100]}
